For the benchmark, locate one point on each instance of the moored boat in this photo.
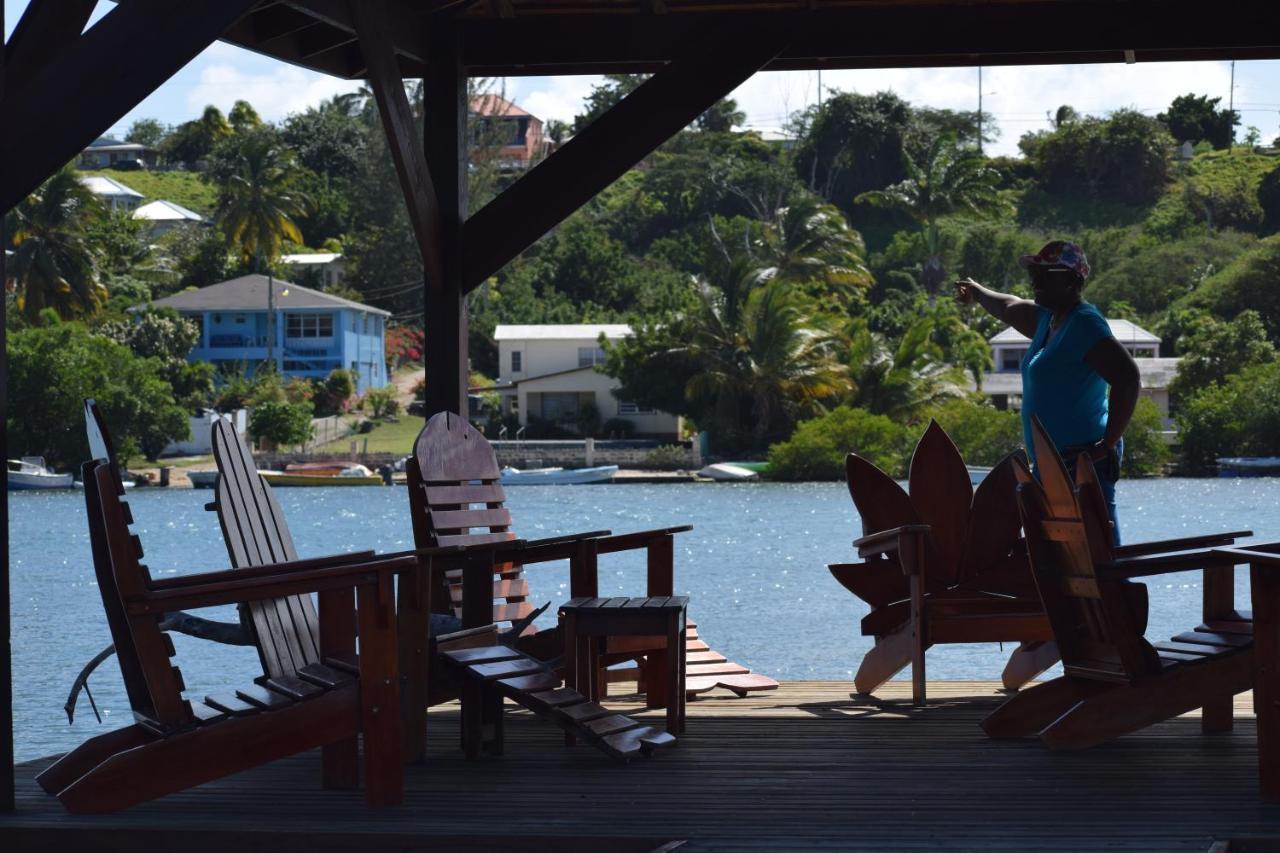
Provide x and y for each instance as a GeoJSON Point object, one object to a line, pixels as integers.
{"type": "Point", "coordinates": [1249, 466]}
{"type": "Point", "coordinates": [727, 472]}
{"type": "Point", "coordinates": [977, 473]}
{"type": "Point", "coordinates": [30, 472]}
{"type": "Point", "coordinates": [323, 474]}
{"type": "Point", "coordinates": [557, 476]}
{"type": "Point", "coordinates": [203, 479]}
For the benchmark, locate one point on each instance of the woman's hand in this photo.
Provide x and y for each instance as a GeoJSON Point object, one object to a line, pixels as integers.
{"type": "Point", "coordinates": [965, 292]}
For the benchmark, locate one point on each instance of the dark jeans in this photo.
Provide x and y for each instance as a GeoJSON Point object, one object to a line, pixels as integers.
{"type": "Point", "coordinates": [1108, 471]}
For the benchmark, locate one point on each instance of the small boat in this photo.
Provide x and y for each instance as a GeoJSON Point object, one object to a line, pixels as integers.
{"type": "Point", "coordinates": [557, 476]}
{"type": "Point", "coordinates": [203, 479]}
{"type": "Point", "coordinates": [977, 473]}
{"type": "Point", "coordinates": [323, 474]}
{"type": "Point", "coordinates": [727, 472]}
{"type": "Point", "coordinates": [1249, 466]}
{"type": "Point", "coordinates": [30, 472]}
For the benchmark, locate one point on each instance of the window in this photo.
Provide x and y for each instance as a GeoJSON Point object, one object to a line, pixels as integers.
{"type": "Point", "coordinates": [625, 408]}
{"type": "Point", "coordinates": [590, 356]}
{"type": "Point", "coordinates": [515, 361]}
{"type": "Point", "coordinates": [308, 325]}
{"type": "Point", "coordinates": [1011, 359]}
{"type": "Point", "coordinates": [560, 406]}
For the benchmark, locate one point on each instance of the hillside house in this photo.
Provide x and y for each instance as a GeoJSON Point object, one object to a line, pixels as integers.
{"type": "Point", "coordinates": [161, 217]}
{"type": "Point", "coordinates": [324, 269]}
{"type": "Point", "coordinates": [107, 152]}
{"type": "Point", "coordinates": [312, 333]}
{"type": "Point", "coordinates": [548, 372]}
{"type": "Point", "coordinates": [1004, 383]}
{"type": "Point", "coordinates": [495, 120]}
{"type": "Point", "coordinates": [113, 194]}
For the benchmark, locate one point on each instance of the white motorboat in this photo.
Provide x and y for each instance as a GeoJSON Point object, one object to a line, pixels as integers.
{"type": "Point", "coordinates": [557, 476]}
{"type": "Point", "coordinates": [725, 472]}
{"type": "Point", "coordinates": [30, 472]}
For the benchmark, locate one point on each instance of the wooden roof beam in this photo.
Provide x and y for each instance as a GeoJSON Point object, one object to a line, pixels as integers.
{"type": "Point", "coordinates": [714, 63]}
{"type": "Point", "coordinates": [404, 27]}
{"type": "Point", "coordinates": [402, 133]}
{"type": "Point", "coordinates": [93, 88]}
{"type": "Point", "coordinates": [44, 30]}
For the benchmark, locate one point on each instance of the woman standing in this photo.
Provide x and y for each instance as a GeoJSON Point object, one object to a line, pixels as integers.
{"type": "Point", "coordinates": [1072, 361]}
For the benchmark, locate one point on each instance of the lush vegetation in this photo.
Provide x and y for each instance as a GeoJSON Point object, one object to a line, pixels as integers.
{"type": "Point", "coordinates": [788, 300]}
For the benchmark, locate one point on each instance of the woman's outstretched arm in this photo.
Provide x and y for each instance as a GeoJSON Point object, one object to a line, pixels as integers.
{"type": "Point", "coordinates": [1019, 313]}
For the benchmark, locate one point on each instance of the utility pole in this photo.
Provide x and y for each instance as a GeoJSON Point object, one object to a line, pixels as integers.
{"type": "Point", "coordinates": [979, 109]}
{"type": "Point", "coordinates": [1231, 106]}
{"type": "Point", "coordinates": [819, 88]}
{"type": "Point", "coordinates": [271, 320]}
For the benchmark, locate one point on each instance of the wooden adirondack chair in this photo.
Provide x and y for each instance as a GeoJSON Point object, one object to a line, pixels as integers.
{"type": "Point", "coordinates": [177, 743]}
{"type": "Point", "coordinates": [1115, 681]}
{"type": "Point", "coordinates": [255, 531]}
{"type": "Point", "coordinates": [453, 469]}
{"type": "Point", "coordinates": [945, 565]}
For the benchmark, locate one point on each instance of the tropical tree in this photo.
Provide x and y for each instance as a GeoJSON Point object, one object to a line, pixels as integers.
{"type": "Point", "coordinates": [55, 263]}
{"type": "Point", "coordinates": [948, 180]}
{"type": "Point", "coordinates": [901, 381]}
{"type": "Point", "coordinates": [809, 241]}
{"type": "Point", "coordinates": [258, 203]}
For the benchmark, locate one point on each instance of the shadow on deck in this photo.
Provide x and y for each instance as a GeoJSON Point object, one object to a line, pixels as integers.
{"type": "Point", "coordinates": [805, 767]}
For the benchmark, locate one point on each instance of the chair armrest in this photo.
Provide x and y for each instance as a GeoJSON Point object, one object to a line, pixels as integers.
{"type": "Point", "coordinates": [270, 568]}
{"type": "Point", "coordinates": [1186, 543]}
{"type": "Point", "coordinates": [1262, 555]}
{"type": "Point", "coordinates": [1180, 561]}
{"type": "Point", "coordinates": [638, 539]}
{"type": "Point", "coordinates": [211, 589]}
{"type": "Point", "coordinates": [888, 541]}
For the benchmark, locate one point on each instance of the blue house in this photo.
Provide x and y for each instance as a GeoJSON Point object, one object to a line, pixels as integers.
{"type": "Point", "coordinates": [312, 333]}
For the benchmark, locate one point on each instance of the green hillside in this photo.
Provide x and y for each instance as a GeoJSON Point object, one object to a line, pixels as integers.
{"type": "Point", "coordinates": [184, 188]}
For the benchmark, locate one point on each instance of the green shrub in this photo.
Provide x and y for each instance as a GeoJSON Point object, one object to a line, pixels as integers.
{"type": "Point", "coordinates": [280, 422]}
{"type": "Point", "coordinates": [332, 395]}
{"type": "Point", "coordinates": [380, 402]}
{"type": "Point", "coordinates": [618, 428]}
{"type": "Point", "coordinates": [1240, 417]}
{"type": "Point", "coordinates": [1269, 201]}
{"type": "Point", "coordinates": [817, 449]}
{"type": "Point", "coordinates": [667, 456]}
{"type": "Point", "coordinates": [1249, 282]}
{"type": "Point", "coordinates": [983, 433]}
{"type": "Point", "coordinates": [1153, 275]}
{"type": "Point", "coordinates": [1145, 452]}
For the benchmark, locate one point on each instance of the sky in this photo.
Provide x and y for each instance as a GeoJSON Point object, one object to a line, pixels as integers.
{"type": "Point", "coordinates": [1017, 97]}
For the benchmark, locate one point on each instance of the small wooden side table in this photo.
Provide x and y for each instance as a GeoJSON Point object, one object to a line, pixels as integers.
{"type": "Point", "coordinates": [588, 622]}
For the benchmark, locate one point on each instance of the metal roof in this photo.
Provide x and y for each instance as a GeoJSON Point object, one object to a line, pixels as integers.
{"type": "Point", "coordinates": [166, 211]}
{"type": "Point", "coordinates": [551, 332]}
{"type": "Point", "coordinates": [311, 258]}
{"type": "Point", "coordinates": [102, 185]}
{"type": "Point", "coordinates": [1125, 332]}
{"type": "Point", "coordinates": [249, 293]}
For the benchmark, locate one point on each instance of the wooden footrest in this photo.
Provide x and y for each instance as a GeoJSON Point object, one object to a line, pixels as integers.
{"type": "Point", "coordinates": [532, 685]}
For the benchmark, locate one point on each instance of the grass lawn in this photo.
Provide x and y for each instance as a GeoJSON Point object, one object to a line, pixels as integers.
{"type": "Point", "coordinates": [184, 188]}
{"type": "Point", "coordinates": [385, 438]}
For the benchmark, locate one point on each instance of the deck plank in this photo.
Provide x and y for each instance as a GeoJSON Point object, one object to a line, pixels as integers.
{"type": "Point", "coordinates": [807, 767]}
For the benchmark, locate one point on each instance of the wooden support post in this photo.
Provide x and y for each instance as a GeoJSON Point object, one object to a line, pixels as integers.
{"type": "Point", "coordinates": [94, 87]}
{"type": "Point", "coordinates": [6, 652]}
{"type": "Point", "coordinates": [444, 94]}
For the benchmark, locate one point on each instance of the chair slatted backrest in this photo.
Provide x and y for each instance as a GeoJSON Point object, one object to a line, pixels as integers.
{"type": "Point", "coordinates": [255, 531]}
{"type": "Point", "coordinates": [153, 685]}
{"type": "Point", "coordinates": [456, 499]}
{"type": "Point", "coordinates": [1093, 619]}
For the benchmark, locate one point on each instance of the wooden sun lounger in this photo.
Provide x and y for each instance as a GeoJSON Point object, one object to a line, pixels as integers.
{"type": "Point", "coordinates": [456, 498]}
{"type": "Point", "coordinates": [1114, 680]}
{"type": "Point", "coordinates": [256, 531]}
{"type": "Point", "coordinates": [177, 743]}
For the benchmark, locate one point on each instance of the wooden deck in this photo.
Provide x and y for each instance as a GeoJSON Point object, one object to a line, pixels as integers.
{"type": "Point", "coordinates": [806, 767]}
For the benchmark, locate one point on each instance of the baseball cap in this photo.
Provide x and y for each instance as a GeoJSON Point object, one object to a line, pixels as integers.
{"type": "Point", "coordinates": [1057, 253]}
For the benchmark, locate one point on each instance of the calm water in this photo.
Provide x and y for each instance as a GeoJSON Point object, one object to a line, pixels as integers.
{"type": "Point", "coordinates": [755, 566]}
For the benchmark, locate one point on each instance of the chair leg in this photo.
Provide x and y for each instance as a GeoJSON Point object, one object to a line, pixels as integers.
{"type": "Point", "coordinates": [89, 755]}
{"type": "Point", "coordinates": [472, 719]}
{"type": "Point", "coordinates": [340, 764]}
{"type": "Point", "coordinates": [1028, 661]}
{"type": "Point", "coordinates": [1218, 715]}
{"type": "Point", "coordinates": [1029, 712]}
{"type": "Point", "coordinates": [492, 724]}
{"type": "Point", "coordinates": [886, 659]}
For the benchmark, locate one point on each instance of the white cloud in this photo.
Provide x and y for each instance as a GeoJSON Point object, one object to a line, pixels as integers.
{"type": "Point", "coordinates": [276, 93]}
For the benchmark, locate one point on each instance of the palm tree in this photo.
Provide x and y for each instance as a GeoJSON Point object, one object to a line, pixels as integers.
{"type": "Point", "coordinates": [763, 359]}
{"type": "Point", "coordinates": [949, 180]}
{"type": "Point", "coordinates": [55, 264]}
{"type": "Point", "coordinates": [901, 382]}
{"type": "Point", "coordinates": [258, 203]}
{"type": "Point", "coordinates": [809, 242]}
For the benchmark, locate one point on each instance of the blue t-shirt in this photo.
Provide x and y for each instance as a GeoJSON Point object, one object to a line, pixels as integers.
{"type": "Point", "coordinates": [1068, 395]}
